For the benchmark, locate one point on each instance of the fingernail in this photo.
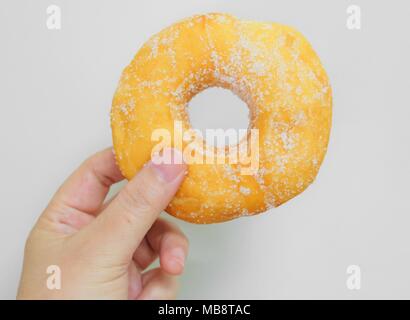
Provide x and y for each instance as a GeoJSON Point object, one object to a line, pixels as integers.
{"type": "Point", "coordinates": [178, 255]}
{"type": "Point", "coordinates": [168, 165]}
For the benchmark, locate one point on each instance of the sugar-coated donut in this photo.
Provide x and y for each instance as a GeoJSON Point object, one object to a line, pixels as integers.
{"type": "Point", "coordinates": [272, 67]}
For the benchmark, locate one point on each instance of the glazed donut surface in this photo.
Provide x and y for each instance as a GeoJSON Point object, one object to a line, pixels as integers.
{"type": "Point", "coordinates": [272, 67]}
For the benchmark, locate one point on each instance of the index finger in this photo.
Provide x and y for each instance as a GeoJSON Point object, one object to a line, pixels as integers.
{"type": "Point", "coordinates": [87, 187]}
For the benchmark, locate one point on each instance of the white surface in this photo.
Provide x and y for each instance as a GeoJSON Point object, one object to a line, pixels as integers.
{"type": "Point", "coordinates": [56, 89]}
{"type": "Point", "coordinates": [225, 111]}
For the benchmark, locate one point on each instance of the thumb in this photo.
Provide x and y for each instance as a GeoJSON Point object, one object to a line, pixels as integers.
{"type": "Point", "coordinates": [120, 228]}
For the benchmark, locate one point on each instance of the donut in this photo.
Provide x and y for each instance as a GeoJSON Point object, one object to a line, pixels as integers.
{"type": "Point", "coordinates": [272, 68]}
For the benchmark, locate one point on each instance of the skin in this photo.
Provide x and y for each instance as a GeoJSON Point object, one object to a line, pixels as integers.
{"type": "Point", "coordinates": [104, 247]}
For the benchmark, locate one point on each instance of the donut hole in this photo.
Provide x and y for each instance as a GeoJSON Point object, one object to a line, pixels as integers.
{"type": "Point", "coordinates": [220, 115]}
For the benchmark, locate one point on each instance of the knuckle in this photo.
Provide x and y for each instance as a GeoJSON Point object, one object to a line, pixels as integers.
{"type": "Point", "coordinates": [170, 232]}
{"type": "Point", "coordinates": [185, 240]}
{"type": "Point", "coordinates": [88, 163]}
{"type": "Point", "coordinates": [128, 218]}
{"type": "Point", "coordinates": [136, 200]}
{"type": "Point", "coordinates": [175, 239]}
{"type": "Point", "coordinates": [182, 238]}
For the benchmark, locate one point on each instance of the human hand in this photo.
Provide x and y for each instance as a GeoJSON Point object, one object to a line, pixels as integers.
{"type": "Point", "coordinates": [102, 249]}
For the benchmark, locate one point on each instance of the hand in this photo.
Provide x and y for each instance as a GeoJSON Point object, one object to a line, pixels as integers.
{"type": "Point", "coordinates": [102, 248]}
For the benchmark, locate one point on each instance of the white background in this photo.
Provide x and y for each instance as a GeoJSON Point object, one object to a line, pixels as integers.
{"type": "Point", "coordinates": [55, 95]}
